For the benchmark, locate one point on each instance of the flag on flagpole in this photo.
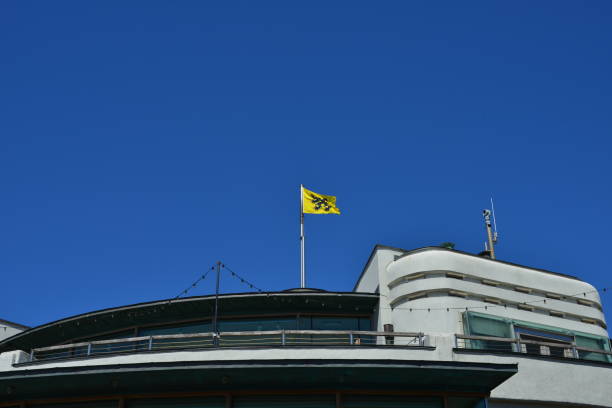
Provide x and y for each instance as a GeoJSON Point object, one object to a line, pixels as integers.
{"type": "Point", "coordinates": [315, 203]}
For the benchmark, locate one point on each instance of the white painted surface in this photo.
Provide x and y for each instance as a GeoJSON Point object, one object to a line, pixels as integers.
{"type": "Point", "coordinates": [538, 379]}
{"type": "Point", "coordinates": [440, 321]}
{"type": "Point", "coordinates": [548, 381]}
{"type": "Point", "coordinates": [7, 331]}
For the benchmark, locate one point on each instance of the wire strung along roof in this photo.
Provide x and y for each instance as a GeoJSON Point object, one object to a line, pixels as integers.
{"type": "Point", "coordinates": [191, 309]}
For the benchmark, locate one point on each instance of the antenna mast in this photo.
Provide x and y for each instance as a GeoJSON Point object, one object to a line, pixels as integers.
{"type": "Point", "coordinates": [491, 231]}
{"type": "Point", "coordinates": [494, 222]}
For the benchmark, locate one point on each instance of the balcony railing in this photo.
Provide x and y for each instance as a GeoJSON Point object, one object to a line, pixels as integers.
{"type": "Point", "coordinates": [275, 338]}
{"type": "Point", "coordinates": [531, 347]}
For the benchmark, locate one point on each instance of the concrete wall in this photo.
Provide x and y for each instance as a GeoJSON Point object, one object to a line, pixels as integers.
{"type": "Point", "coordinates": [397, 285]}
{"type": "Point", "coordinates": [375, 280]}
{"type": "Point", "coordinates": [8, 331]}
{"type": "Point", "coordinates": [538, 380]}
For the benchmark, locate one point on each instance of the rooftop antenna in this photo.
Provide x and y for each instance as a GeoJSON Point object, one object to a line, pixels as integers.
{"type": "Point", "coordinates": [491, 231]}
{"type": "Point", "coordinates": [494, 222]}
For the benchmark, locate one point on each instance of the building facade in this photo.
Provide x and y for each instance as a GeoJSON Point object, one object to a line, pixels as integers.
{"type": "Point", "coordinates": [431, 327]}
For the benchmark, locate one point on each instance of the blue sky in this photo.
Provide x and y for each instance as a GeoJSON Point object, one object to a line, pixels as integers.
{"type": "Point", "coordinates": [143, 142]}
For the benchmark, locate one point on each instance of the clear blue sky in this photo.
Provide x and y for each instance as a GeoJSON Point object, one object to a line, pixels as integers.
{"type": "Point", "coordinates": [140, 143]}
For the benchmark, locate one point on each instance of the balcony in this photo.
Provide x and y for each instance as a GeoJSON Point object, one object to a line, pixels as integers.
{"type": "Point", "coordinates": [503, 345]}
{"type": "Point", "coordinates": [249, 339]}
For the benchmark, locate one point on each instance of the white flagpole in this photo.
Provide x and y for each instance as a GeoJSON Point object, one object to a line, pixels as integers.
{"type": "Point", "coordinates": [302, 263]}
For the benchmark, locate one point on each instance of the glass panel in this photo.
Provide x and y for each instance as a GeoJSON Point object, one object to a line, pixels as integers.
{"type": "Point", "coordinates": [365, 323]}
{"type": "Point", "coordinates": [238, 325]}
{"type": "Point", "coordinates": [52, 354]}
{"type": "Point", "coordinates": [305, 323]}
{"type": "Point", "coordinates": [209, 402]}
{"type": "Point", "coordinates": [479, 325]}
{"type": "Point", "coordinates": [188, 328]}
{"type": "Point", "coordinates": [564, 349]}
{"type": "Point", "coordinates": [96, 404]}
{"type": "Point", "coordinates": [583, 341]}
{"type": "Point", "coordinates": [547, 335]}
{"type": "Point", "coordinates": [118, 335]}
{"type": "Point", "coordinates": [461, 402]}
{"type": "Point", "coordinates": [286, 401]}
{"type": "Point", "coordinates": [384, 401]}
{"type": "Point", "coordinates": [120, 347]}
{"type": "Point", "coordinates": [335, 323]}
{"type": "Point", "coordinates": [485, 326]}
{"type": "Point", "coordinates": [288, 323]}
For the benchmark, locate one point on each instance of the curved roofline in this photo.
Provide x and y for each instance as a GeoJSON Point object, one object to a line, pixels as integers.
{"type": "Point", "coordinates": [407, 252]}
{"type": "Point", "coordinates": [31, 330]}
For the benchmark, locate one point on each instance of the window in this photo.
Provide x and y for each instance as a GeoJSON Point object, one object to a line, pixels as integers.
{"type": "Point", "coordinates": [385, 401]}
{"type": "Point", "coordinates": [490, 326]}
{"type": "Point", "coordinates": [564, 341]}
{"type": "Point", "coordinates": [594, 343]}
{"type": "Point", "coordinates": [209, 402]}
{"type": "Point", "coordinates": [285, 401]}
{"type": "Point", "coordinates": [481, 324]}
{"type": "Point", "coordinates": [466, 402]}
{"type": "Point", "coordinates": [96, 404]}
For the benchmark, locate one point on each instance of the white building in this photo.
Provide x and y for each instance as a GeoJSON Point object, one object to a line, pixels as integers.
{"type": "Point", "coordinates": [431, 327]}
{"type": "Point", "coordinates": [8, 329]}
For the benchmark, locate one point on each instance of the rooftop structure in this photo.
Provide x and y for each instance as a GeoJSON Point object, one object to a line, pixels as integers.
{"type": "Point", "coordinates": [431, 327]}
{"type": "Point", "coordinates": [8, 329]}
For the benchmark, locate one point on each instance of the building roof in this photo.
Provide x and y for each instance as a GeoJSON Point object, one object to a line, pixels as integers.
{"type": "Point", "coordinates": [13, 324]}
{"type": "Point", "coordinates": [194, 308]}
{"type": "Point", "coordinates": [407, 252]}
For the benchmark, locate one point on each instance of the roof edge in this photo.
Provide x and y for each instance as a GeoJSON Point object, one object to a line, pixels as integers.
{"type": "Point", "coordinates": [435, 248]}
{"type": "Point", "coordinates": [29, 330]}
{"type": "Point", "coordinates": [407, 252]}
{"type": "Point", "coordinates": [15, 325]}
{"type": "Point", "coordinates": [371, 257]}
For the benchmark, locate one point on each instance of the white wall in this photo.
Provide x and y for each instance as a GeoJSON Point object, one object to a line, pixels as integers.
{"type": "Point", "coordinates": [437, 262]}
{"type": "Point", "coordinates": [8, 331]}
{"type": "Point", "coordinates": [538, 379]}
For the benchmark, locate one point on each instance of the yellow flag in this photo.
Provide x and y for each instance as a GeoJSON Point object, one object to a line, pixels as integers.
{"type": "Point", "coordinates": [314, 203]}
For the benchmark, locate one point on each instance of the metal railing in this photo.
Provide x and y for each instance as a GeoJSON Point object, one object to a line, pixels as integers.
{"type": "Point", "coordinates": [531, 347]}
{"type": "Point", "coordinates": [273, 338]}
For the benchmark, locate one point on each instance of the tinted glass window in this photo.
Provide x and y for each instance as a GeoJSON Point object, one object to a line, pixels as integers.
{"type": "Point", "coordinates": [286, 401]}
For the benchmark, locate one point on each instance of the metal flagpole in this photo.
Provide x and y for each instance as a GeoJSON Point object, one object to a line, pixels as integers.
{"type": "Point", "coordinates": [216, 315]}
{"type": "Point", "coordinates": [302, 263]}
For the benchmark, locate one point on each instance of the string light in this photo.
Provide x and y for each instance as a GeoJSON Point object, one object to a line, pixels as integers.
{"type": "Point", "coordinates": [411, 309]}
{"type": "Point", "coordinates": [242, 280]}
{"type": "Point", "coordinates": [602, 290]}
{"type": "Point", "coordinates": [194, 284]}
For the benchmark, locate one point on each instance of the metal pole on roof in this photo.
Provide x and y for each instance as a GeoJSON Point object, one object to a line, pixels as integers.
{"type": "Point", "coordinates": [216, 315]}
{"type": "Point", "coordinates": [302, 261]}
{"type": "Point", "coordinates": [487, 216]}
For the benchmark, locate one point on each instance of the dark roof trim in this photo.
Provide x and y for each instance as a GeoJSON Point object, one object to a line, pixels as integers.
{"type": "Point", "coordinates": [29, 373]}
{"type": "Point", "coordinates": [407, 252]}
{"type": "Point", "coordinates": [185, 300]}
{"type": "Point", "coordinates": [13, 324]}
